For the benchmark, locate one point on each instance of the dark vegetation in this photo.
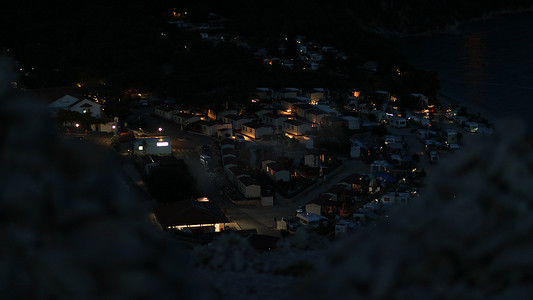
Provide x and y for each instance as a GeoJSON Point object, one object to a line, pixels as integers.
{"type": "Point", "coordinates": [168, 184]}
{"type": "Point", "coordinates": [124, 44]}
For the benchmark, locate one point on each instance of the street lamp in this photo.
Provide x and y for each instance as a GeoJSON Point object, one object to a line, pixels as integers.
{"type": "Point", "coordinates": [160, 129]}
{"type": "Point", "coordinates": [77, 125]}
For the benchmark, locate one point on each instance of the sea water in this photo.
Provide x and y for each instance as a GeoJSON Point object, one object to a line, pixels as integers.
{"type": "Point", "coordinates": [486, 65]}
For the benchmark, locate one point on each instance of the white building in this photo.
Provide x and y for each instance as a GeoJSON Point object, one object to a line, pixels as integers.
{"type": "Point", "coordinates": [248, 187]}
{"type": "Point", "coordinates": [353, 123]}
{"type": "Point", "coordinates": [399, 122]}
{"type": "Point", "coordinates": [160, 145]}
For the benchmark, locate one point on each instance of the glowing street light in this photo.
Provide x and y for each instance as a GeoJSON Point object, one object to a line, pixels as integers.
{"type": "Point", "coordinates": [160, 129]}
{"type": "Point", "coordinates": [77, 125]}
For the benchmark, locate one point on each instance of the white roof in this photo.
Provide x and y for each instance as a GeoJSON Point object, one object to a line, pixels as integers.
{"type": "Point", "coordinates": [310, 217]}
{"type": "Point", "coordinates": [349, 118]}
{"type": "Point", "coordinates": [382, 92]}
{"type": "Point", "coordinates": [64, 101]}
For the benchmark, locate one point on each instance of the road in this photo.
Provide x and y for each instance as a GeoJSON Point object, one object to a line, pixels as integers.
{"type": "Point", "coordinates": [187, 146]}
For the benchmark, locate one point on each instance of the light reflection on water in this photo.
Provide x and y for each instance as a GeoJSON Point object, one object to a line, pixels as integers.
{"type": "Point", "coordinates": [475, 62]}
{"type": "Point", "coordinates": [487, 66]}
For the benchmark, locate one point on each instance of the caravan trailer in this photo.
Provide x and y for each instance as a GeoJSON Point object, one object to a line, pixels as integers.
{"type": "Point", "coordinates": [311, 219]}
{"type": "Point", "coordinates": [399, 122]}
{"type": "Point", "coordinates": [471, 127]}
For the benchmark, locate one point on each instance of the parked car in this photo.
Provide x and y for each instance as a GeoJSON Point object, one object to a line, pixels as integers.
{"type": "Point", "coordinates": [454, 147]}
{"type": "Point", "coordinates": [207, 162]}
{"type": "Point", "coordinates": [205, 148]}
{"type": "Point", "coordinates": [433, 157]}
{"type": "Point", "coordinates": [240, 138]}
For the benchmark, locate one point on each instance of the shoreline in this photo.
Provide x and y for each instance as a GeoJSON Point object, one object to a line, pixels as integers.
{"type": "Point", "coordinates": [452, 28]}
{"type": "Point", "coordinates": [471, 109]}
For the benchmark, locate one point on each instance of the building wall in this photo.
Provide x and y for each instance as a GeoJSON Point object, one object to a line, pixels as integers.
{"type": "Point", "coordinates": [282, 175]}
{"type": "Point", "coordinates": [267, 200]}
{"type": "Point", "coordinates": [251, 191]}
{"type": "Point", "coordinates": [313, 208]}
{"type": "Point", "coordinates": [94, 109]}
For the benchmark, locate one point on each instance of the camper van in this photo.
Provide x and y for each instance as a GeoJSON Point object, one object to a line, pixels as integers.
{"type": "Point", "coordinates": [311, 219]}
{"type": "Point", "coordinates": [399, 122]}
{"type": "Point", "coordinates": [451, 136]}
{"type": "Point", "coordinates": [471, 127]}
{"type": "Point", "coordinates": [389, 139]}
{"type": "Point", "coordinates": [433, 157]}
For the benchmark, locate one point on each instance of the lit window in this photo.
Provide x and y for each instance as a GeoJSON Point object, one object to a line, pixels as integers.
{"type": "Point", "coordinates": [162, 144]}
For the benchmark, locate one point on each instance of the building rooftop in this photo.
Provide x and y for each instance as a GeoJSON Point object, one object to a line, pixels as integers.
{"type": "Point", "coordinates": [187, 212]}
{"type": "Point", "coordinates": [255, 125]}
{"type": "Point", "coordinates": [276, 166]}
{"type": "Point", "coordinates": [248, 181]}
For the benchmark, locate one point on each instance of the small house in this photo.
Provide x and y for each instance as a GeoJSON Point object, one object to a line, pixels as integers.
{"type": "Point", "coordinates": [264, 93]}
{"type": "Point", "coordinates": [248, 187]}
{"type": "Point", "coordinates": [312, 160]}
{"type": "Point", "coordinates": [62, 103]}
{"type": "Point", "coordinates": [277, 172]}
{"type": "Point", "coordinates": [310, 219]}
{"type": "Point", "coordinates": [165, 112]}
{"type": "Point", "coordinates": [390, 139]}
{"type": "Point", "coordinates": [210, 128]}
{"type": "Point", "coordinates": [471, 127]}
{"type": "Point", "coordinates": [295, 127]}
{"type": "Point", "coordinates": [273, 120]}
{"type": "Point", "coordinates": [451, 136]}
{"type": "Point", "coordinates": [236, 121]}
{"type": "Point", "coordinates": [184, 119]}
{"type": "Point", "coordinates": [315, 95]}
{"type": "Point", "coordinates": [267, 198]}
{"type": "Point", "coordinates": [399, 122]}
{"type": "Point", "coordinates": [285, 93]}
{"type": "Point", "coordinates": [221, 114]}
{"type": "Point", "coordinates": [288, 103]}
{"type": "Point", "coordinates": [234, 173]}
{"type": "Point", "coordinates": [301, 109]}
{"type": "Point", "coordinates": [379, 166]}
{"type": "Point", "coordinates": [255, 130]}
{"type": "Point", "coordinates": [343, 227]}
{"type": "Point", "coordinates": [316, 115]}
{"type": "Point", "coordinates": [356, 182]}
{"type": "Point", "coordinates": [352, 123]}
{"type": "Point", "coordinates": [88, 107]}
{"type": "Point", "coordinates": [324, 204]}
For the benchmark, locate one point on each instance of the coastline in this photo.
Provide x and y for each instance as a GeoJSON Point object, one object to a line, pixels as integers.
{"type": "Point", "coordinates": [452, 28]}
{"type": "Point", "coordinates": [471, 109]}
